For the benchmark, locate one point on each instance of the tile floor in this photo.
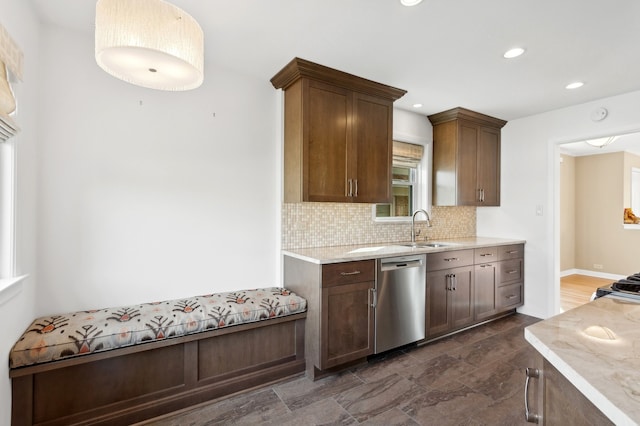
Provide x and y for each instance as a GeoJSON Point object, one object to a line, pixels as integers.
{"type": "Point", "coordinates": [473, 378]}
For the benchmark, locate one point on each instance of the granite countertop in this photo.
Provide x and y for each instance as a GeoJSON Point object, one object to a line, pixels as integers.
{"type": "Point", "coordinates": [597, 348]}
{"type": "Point", "coordinates": [335, 254]}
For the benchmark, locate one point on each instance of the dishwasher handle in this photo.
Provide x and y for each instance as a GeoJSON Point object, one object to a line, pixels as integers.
{"type": "Point", "coordinates": [400, 264]}
{"type": "Point", "coordinates": [374, 297]}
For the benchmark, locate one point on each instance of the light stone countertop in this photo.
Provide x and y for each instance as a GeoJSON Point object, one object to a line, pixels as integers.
{"type": "Point", "coordinates": [597, 348]}
{"type": "Point", "coordinates": [336, 254]}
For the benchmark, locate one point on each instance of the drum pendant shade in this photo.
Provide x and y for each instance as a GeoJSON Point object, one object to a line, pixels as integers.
{"type": "Point", "coordinates": [149, 43]}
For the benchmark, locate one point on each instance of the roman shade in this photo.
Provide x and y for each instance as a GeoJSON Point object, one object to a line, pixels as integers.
{"type": "Point", "coordinates": [407, 154]}
{"type": "Point", "coordinates": [11, 59]}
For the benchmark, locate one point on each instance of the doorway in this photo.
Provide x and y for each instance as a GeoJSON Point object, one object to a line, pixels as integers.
{"type": "Point", "coordinates": [593, 189]}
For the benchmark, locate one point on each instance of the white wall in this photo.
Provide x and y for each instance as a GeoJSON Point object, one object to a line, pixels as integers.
{"type": "Point", "coordinates": [17, 312]}
{"type": "Point", "coordinates": [146, 195]}
{"type": "Point", "coordinates": [530, 170]}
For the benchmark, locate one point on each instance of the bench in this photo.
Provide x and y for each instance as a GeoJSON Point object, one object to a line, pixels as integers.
{"type": "Point", "coordinates": [127, 364]}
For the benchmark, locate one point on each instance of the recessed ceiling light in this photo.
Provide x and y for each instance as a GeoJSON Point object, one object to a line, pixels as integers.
{"type": "Point", "coordinates": [513, 53]}
{"type": "Point", "coordinates": [417, 105]}
{"type": "Point", "coordinates": [410, 2]}
{"type": "Point", "coordinates": [574, 85]}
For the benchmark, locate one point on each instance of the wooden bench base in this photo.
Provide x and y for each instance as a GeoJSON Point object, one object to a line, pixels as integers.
{"type": "Point", "coordinates": [132, 384]}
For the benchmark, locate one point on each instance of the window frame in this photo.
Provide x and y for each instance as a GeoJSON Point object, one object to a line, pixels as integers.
{"type": "Point", "coordinates": [8, 186]}
{"type": "Point", "coordinates": [10, 280]}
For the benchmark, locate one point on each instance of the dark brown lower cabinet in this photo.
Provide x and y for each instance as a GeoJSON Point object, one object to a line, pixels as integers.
{"type": "Point", "coordinates": [340, 320]}
{"type": "Point", "coordinates": [464, 287]}
{"type": "Point", "coordinates": [347, 332]}
{"type": "Point", "coordinates": [449, 300]}
{"type": "Point", "coordinates": [550, 399]}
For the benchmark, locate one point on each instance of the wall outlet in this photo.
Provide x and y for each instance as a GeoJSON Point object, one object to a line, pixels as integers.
{"type": "Point", "coordinates": [597, 266]}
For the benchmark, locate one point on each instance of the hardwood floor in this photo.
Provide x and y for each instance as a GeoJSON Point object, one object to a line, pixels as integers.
{"type": "Point", "coordinates": [473, 378]}
{"type": "Point", "coordinates": [576, 290]}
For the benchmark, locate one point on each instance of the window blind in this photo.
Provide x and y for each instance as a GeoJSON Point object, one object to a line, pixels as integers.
{"type": "Point", "coordinates": [407, 154]}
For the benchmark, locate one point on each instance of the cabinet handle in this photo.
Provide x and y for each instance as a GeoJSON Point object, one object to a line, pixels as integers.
{"type": "Point", "coordinates": [349, 273]}
{"type": "Point", "coordinates": [486, 254]}
{"type": "Point", "coordinates": [486, 265]}
{"type": "Point", "coordinates": [374, 297]}
{"type": "Point", "coordinates": [481, 195]}
{"type": "Point", "coordinates": [530, 417]}
{"type": "Point", "coordinates": [451, 259]}
{"type": "Point", "coordinates": [350, 194]}
{"type": "Point", "coordinates": [513, 271]}
{"type": "Point", "coordinates": [512, 251]}
{"type": "Point", "coordinates": [454, 282]}
{"type": "Point", "coordinates": [448, 281]}
{"type": "Point", "coordinates": [356, 194]}
{"type": "Point", "coordinates": [511, 296]}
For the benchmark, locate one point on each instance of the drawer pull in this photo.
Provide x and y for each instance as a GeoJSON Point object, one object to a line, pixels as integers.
{"type": "Point", "coordinates": [512, 251]}
{"type": "Point", "coordinates": [486, 254]}
{"type": "Point", "coordinates": [512, 296]}
{"type": "Point", "coordinates": [451, 259]}
{"type": "Point", "coordinates": [513, 271]}
{"type": "Point", "coordinates": [349, 273]}
{"type": "Point", "coordinates": [486, 265]}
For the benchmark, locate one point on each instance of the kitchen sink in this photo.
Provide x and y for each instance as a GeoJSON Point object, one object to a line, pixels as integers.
{"type": "Point", "coordinates": [430, 245]}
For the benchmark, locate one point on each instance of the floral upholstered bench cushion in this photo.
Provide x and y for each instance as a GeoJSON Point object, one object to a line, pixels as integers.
{"type": "Point", "coordinates": [60, 336]}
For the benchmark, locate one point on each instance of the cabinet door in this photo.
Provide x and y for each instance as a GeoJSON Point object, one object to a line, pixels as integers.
{"type": "Point", "coordinates": [564, 404]}
{"type": "Point", "coordinates": [488, 166]}
{"type": "Point", "coordinates": [328, 136]}
{"type": "Point", "coordinates": [438, 316]}
{"type": "Point", "coordinates": [485, 277]}
{"type": "Point", "coordinates": [372, 134]}
{"type": "Point", "coordinates": [347, 323]}
{"type": "Point", "coordinates": [466, 168]}
{"type": "Point", "coordinates": [445, 143]}
{"type": "Point", "coordinates": [461, 294]}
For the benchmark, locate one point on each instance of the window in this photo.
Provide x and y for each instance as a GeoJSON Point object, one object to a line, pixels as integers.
{"type": "Point", "coordinates": [403, 189]}
{"type": "Point", "coordinates": [11, 59]}
{"type": "Point", "coordinates": [409, 183]}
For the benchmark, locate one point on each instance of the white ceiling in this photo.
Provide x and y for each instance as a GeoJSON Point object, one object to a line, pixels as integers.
{"type": "Point", "coordinates": [445, 53]}
{"type": "Point", "coordinates": [628, 142]}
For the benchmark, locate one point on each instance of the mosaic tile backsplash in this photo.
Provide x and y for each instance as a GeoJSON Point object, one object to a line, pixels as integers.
{"type": "Point", "coordinates": [337, 224]}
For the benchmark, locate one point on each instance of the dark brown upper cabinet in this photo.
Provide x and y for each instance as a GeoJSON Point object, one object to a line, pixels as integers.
{"type": "Point", "coordinates": [466, 158]}
{"type": "Point", "coordinates": [337, 135]}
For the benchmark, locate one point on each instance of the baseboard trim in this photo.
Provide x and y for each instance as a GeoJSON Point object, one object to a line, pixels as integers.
{"type": "Point", "coordinates": [594, 274]}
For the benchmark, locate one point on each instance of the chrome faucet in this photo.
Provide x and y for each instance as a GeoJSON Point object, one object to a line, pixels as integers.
{"type": "Point", "coordinates": [413, 223]}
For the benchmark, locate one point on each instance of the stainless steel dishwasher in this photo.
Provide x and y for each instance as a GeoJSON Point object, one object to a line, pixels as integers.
{"type": "Point", "coordinates": [400, 301]}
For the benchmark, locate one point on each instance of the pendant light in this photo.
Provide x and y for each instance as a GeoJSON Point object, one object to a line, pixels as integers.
{"type": "Point", "coordinates": [149, 43]}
